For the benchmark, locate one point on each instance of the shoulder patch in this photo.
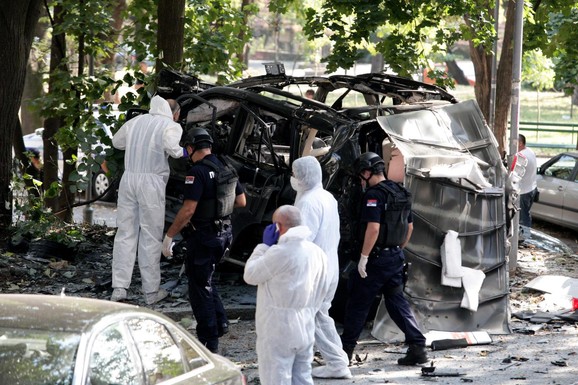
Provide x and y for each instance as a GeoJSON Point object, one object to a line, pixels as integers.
{"type": "Point", "coordinates": [371, 203]}
{"type": "Point", "coordinates": [189, 179]}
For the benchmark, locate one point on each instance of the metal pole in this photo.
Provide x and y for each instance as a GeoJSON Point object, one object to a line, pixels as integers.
{"type": "Point", "coordinates": [515, 116]}
{"type": "Point", "coordinates": [494, 66]}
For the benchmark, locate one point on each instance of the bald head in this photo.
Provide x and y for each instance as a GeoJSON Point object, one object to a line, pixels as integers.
{"type": "Point", "coordinates": [175, 108]}
{"type": "Point", "coordinates": [286, 217]}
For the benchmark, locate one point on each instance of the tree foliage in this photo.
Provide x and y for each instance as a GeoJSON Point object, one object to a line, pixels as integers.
{"type": "Point", "coordinates": [538, 70]}
{"type": "Point", "coordinates": [410, 34]}
{"type": "Point", "coordinates": [553, 31]}
{"type": "Point", "coordinates": [215, 37]}
{"type": "Point", "coordinates": [73, 92]}
{"type": "Point", "coordinates": [85, 34]}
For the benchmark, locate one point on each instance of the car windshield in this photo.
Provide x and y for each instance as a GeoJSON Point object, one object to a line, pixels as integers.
{"type": "Point", "coordinates": [36, 356]}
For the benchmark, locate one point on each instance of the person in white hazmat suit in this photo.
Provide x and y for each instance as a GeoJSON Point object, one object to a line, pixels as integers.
{"type": "Point", "coordinates": [148, 141]}
{"type": "Point", "coordinates": [320, 214]}
{"type": "Point", "coordinates": [291, 287]}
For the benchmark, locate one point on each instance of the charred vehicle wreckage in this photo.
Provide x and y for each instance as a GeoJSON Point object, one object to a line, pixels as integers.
{"type": "Point", "coordinates": [440, 149]}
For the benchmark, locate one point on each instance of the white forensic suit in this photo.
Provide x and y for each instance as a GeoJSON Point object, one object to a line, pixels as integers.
{"type": "Point", "coordinates": [148, 141]}
{"type": "Point", "coordinates": [320, 214]}
{"type": "Point", "coordinates": [291, 286]}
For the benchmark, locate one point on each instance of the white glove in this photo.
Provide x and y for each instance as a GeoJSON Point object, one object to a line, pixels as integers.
{"type": "Point", "coordinates": [168, 246]}
{"type": "Point", "coordinates": [361, 265]}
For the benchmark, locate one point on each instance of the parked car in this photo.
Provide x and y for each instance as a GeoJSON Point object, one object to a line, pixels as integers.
{"type": "Point", "coordinates": [558, 191]}
{"type": "Point", "coordinates": [441, 149]}
{"type": "Point", "coordinates": [72, 340]}
{"type": "Point", "coordinates": [34, 141]}
{"type": "Point", "coordinates": [101, 178]}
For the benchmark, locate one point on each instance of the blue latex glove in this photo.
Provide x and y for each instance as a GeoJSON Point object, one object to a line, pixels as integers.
{"type": "Point", "coordinates": [270, 235]}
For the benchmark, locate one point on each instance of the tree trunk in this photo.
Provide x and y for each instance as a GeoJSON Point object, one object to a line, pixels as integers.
{"type": "Point", "coordinates": [30, 118]}
{"type": "Point", "coordinates": [52, 124]}
{"type": "Point", "coordinates": [504, 80]}
{"type": "Point", "coordinates": [170, 33]}
{"type": "Point", "coordinates": [18, 21]}
{"type": "Point", "coordinates": [482, 60]}
{"type": "Point", "coordinates": [575, 96]}
{"type": "Point", "coordinates": [377, 63]}
{"type": "Point", "coordinates": [19, 148]}
{"type": "Point", "coordinates": [244, 56]}
{"type": "Point", "coordinates": [116, 23]}
{"type": "Point", "coordinates": [456, 73]}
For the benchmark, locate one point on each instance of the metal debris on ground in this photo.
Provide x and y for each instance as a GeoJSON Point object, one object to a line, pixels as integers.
{"type": "Point", "coordinates": [430, 371]}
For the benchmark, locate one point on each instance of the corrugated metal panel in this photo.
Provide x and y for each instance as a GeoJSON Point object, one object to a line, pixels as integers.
{"type": "Point", "coordinates": [474, 206]}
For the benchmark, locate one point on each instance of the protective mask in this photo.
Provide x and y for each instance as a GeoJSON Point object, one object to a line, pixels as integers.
{"type": "Point", "coordinates": [295, 184]}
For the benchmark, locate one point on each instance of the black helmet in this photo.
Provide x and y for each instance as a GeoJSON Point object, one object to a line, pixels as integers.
{"type": "Point", "coordinates": [198, 138]}
{"type": "Point", "coordinates": [368, 161]}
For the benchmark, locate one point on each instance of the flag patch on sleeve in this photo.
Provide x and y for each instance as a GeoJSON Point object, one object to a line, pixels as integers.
{"type": "Point", "coordinates": [189, 179]}
{"type": "Point", "coordinates": [371, 203]}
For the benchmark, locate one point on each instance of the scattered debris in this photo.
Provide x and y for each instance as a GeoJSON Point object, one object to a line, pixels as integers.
{"type": "Point", "coordinates": [440, 340]}
{"type": "Point", "coordinates": [555, 284]}
{"type": "Point", "coordinates": [530, 329]}
{"type": "Point", "coordinates": [430, 371]}
{"type": "Point", "coordinates": [514, 358]}
{"type": "Point", "coordinates": [560, 363]}
{"type": "Point", "coordinates": [449, 344]}
{"type": "Point", "coordinates": [509, 366]}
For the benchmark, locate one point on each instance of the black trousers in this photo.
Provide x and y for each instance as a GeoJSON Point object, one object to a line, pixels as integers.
{"type": "Point", "coordinates": [203, 252]}
{"type": "Point", "coordinates": [385, 277]}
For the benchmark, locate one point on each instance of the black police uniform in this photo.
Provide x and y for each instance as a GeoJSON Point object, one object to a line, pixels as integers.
{"type": "Point", "coordinates": [384, 276]}
{"type": "Point", "coordinates": [206, 241]}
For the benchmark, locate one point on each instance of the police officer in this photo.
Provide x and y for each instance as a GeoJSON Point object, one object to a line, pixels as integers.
{"type": "Point", "coordinates": [380, 267]}
{"type": "Point", "coordinates": [206, 235]}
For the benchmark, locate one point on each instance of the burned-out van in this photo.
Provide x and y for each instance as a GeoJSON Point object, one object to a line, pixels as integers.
{"type": "Point", "coordinates": [439, 148]}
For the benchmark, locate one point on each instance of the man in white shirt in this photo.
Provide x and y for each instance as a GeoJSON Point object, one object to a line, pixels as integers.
{"type": "Point", "coordinates": [528, 186]}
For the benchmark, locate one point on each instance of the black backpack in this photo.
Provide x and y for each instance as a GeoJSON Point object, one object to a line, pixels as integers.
{"type": "Point", "coordinates": [226, 182]}
{"type": "Point", "coordinates": [394, 222]}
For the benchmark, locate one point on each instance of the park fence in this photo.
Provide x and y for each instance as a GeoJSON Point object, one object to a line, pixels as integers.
{"type": "Point", "coordinates": [550, 135]}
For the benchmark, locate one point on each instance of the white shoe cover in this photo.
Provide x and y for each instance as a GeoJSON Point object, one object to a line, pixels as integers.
{"type": "Point", "coordinates": [151, 298]}
{"type": "Point", "coordinates": [331, 372]}
{"type": "Point", "coordinates": [118, 294]}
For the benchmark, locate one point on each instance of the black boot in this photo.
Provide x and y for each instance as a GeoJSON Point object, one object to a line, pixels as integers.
{"type": "Point", "coordinates": [223, 329]}
{"type": "Point", "coordinates": [416, 355]}
{"type": "Point", "coordinates": [349, 351]}
{"type": "Point", "coordinates": [212, 345]}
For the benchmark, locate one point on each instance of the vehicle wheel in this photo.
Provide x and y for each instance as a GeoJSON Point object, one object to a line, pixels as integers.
{"type": "Point", "coordinates": [100, 183]}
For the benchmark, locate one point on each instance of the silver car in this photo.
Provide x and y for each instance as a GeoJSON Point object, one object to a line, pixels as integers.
{"type": "Point", "coordinates": [558, 191]}
{"type": "Point", "coordinates": [70, 340]}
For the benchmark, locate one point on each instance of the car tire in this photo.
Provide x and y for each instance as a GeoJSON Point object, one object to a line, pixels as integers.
{"type": "Point", "coordinates": [101, 182]}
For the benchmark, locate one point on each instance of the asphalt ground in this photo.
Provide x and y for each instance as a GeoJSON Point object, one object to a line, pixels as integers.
{"type": "Point", "coordinates": [534, 354]}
